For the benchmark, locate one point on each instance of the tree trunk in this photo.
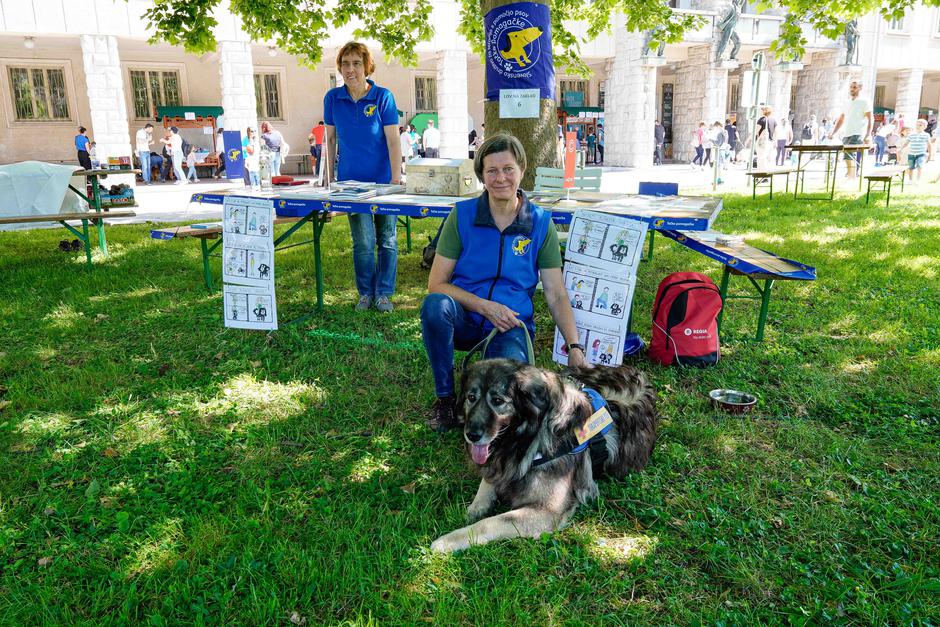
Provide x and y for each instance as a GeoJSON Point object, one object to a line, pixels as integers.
{"type": "Point", "coordinates": [539, 136]}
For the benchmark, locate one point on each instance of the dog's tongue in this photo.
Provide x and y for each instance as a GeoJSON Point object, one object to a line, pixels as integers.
{"type": "Point", "coordinates": [479, 453]}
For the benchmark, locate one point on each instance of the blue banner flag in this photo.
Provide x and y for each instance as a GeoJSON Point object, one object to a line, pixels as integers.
{"type": "Point", "coordinates": [234, 159]}
{"type": "Point", "coordinates": [519, 49]}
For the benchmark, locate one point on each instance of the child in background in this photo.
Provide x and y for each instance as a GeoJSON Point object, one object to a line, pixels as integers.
{"type": "Point", "coordinates": [191, 164]}
{"type": "Point", "coordinates": [902, 146]}
{"type": "Point", "coordinates": [892, 139]}
{"type": "Point", "coordinates": [918, 149]}
{"type": "Point", "coordinates": [252, 157]}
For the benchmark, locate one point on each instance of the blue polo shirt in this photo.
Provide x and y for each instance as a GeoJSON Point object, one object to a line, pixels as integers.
{"type": "Point", "coordinates": [360, 131]}
{"type": "Point", "coordinates": [81, 142]}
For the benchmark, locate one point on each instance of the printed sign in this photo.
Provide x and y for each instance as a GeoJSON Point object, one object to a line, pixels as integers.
{"type": "Point", "coordinates": [519, 49]}
{"type": "Point", "coordinates": [234, 159]}
{"type": "Point", "coordinates": [518, 103]}
{"type": "Point", "coordinates": [248, 263]}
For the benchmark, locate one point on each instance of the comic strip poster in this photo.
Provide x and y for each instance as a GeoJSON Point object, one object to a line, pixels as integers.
{"type": "Point", "coordinates": [248, 261]}
{"type": "Point", "coordinates": [601, 260]}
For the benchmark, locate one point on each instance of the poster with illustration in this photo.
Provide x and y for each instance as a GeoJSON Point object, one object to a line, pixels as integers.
{"type": "Point", "coordinates": [250, 307]}
{"type": "Point", "coordinates": [601, 260]}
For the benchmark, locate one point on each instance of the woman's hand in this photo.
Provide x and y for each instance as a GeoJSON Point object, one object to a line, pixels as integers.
{"type": "Point", "coordinates": [500, 316]}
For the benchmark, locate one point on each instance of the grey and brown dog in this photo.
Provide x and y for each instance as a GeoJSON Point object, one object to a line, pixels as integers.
{"type": "Point", "coordinates": [517, 415]}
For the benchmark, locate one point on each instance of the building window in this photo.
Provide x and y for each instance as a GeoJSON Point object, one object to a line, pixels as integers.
{"type": "Point", "coordinates": [332, 80]}
{"type": "Point", "coordinates": [39, 93]}
{"type": "Point", "coordinates": [879, 96]}
{"type": "Point", "coordinates": [734, 96]}
{"type": "Point", "coordinates": [573, 93]}
{"type": "Point", "coordinates": [268, 96]}
{"type": "Point", "coordinates": [896, 24]}
{"type": "Point", "coordinates": [425, 93]}
{"type": "Point", "coordinates": [152, 89]}
{"type": "Point", "coordinates": [602, 94]}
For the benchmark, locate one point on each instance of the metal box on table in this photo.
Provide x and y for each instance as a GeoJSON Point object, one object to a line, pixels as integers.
{"type": "Point", "coordinates": [441, 177]}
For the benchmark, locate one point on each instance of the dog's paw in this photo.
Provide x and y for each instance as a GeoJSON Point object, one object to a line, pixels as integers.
{"type": "Point", "coordinates": [477, 512]}
{"type": "Point", "coordinates": [450, 543]}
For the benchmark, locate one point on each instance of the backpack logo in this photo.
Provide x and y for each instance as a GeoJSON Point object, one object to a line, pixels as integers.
{"type": "Point", "coordinates": [520, 245]}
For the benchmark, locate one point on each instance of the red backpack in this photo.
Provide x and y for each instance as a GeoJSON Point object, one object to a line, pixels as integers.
{"type": "Point", "coordinates": [685, 321]}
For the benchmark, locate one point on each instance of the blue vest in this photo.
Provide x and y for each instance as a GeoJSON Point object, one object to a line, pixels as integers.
{"type": "Point", "coordinates": [501, 267]}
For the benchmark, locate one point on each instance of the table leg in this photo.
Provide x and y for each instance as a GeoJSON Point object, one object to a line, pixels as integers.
{"type": "Point", "coordinates": [868, 193]}
{"type": "Point", "coordinates": [318, 224]}
{"type": "Point", "coordinates": [86, 241]}
{"type": "Point", "coordinates": [408, 232]}
{"type": "Point", "coordinates": [764, 305]}
{"type": "Point", "coordinates": [771, 187]}
{"type": "Point", "coordinates": [723, 292]}
{"type": "Point", "coordinates": [888, 189]}
{"type": "Point", "coordinates": [652, 239]}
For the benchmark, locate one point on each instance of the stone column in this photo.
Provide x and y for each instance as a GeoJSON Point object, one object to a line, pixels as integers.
{"type": "Point", "coordinates": [822, 87]}
{"type": "Point", "coordinates": [629, 105]}
{"type": "Point", "coordinates": [453, 119]}
{"type": "Point", "coordinates": [236, 72]}
{"type": "Point", "coordinates": [108, 125]}
{"type": "Point", "coordinates": [910, 84]}
{"type": "Point", "coordinates": [701, 95]}
{"type": "Point", "coordinates": [779, 87]}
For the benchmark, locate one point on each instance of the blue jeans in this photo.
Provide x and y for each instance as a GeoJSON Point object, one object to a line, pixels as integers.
{"type": "Point", "coordinates": [446, 326]}
{"type": "Point", "coordinates": [316, 150]}
{"type": "Point", "coordinates": [881, 144]}
{"type": "Point", "coordinates": [276, 164]}
{"type": "Point", "coordinates": [144, 164]}
{"type": "Point", "coordinates": [192, 174]}
{"type": "Point", "coordinates": [374, 278]}
{"type": "Point", "coordinates": [254, 178]}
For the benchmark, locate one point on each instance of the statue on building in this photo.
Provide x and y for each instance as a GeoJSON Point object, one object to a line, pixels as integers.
{"type": "Point", "coordinates": [851, 42]}
{"type": "Point", "coordinates": [726, 26]}
{"type": "Point", "coordinates": [650, 36]}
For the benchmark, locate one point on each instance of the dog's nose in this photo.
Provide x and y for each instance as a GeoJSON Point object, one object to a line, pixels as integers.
{"type": "Point", "coordinates": [474, 436]}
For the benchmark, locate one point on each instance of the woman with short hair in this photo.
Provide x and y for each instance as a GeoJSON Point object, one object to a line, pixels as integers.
{"type": "Point", "coordinates": [490, 256]}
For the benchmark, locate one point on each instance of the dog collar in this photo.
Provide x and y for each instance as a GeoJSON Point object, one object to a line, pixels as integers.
{"type": "Point", "coordinates": [597, 403]}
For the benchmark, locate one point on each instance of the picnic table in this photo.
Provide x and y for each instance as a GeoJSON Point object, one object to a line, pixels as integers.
{"type": "Point", "coordinates": [831, 154]}
{"type": "Point", "coordinates": [667, 212]}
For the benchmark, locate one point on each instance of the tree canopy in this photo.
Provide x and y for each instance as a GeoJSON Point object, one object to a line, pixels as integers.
{"type": "Point", "coordinates": [300, 26]}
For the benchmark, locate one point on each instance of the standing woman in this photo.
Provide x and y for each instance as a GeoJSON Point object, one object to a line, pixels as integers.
{"type": "Point", "coordinates": [363, 119]}
{"type": "Point", "coordinates": [275, 142]}
{"type": "Point", "coordinates": [81, 146]}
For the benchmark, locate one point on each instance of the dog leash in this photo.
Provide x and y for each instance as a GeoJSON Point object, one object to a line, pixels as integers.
{"type": "Point", "coordinates": [485, 343]}
{"type": "Point", "coordinates": [595, 443]}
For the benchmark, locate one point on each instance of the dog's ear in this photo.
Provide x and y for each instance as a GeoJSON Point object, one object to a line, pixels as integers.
{"type": "Point", "coordinates": [531, 396]}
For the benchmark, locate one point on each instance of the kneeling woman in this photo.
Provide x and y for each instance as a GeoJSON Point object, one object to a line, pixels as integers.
{"type": "Point", "coordinates": [490, 257]}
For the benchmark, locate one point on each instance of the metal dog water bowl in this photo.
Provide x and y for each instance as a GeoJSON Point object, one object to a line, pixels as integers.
{"type": "Point", "coordinates": [733, 401]}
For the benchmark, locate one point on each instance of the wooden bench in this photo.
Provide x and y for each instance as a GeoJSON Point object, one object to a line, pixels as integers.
{"type": "Point", "coordinates": [761, 177]}
{"type": "Point", "coordinates": [885, 176]}
{"type": "Point", "coordinates": [205, 232]}
{"type": "Point", "coordinates": [742, 259]}
{"type": "Point", "coordinates": [95, 217]}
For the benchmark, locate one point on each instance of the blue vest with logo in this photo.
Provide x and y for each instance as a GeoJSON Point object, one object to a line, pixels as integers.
{"type": "Point", "coordinates": [501, 267]}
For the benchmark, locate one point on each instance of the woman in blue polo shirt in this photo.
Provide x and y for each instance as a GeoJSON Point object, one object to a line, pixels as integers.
{"type": "Point", "coordinates": [362, 118]}
{"type": "Point", "coordinates": [81, 146]}
{"type": "Point", "coordinates": [490, 256]}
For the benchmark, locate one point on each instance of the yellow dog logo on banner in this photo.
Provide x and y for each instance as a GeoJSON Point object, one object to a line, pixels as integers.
{"type": "Point", "coordinates": [518, 40]}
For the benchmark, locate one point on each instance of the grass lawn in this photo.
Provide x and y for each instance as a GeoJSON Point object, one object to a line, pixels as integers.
{"type": "Point", "coordinates": [156, 468]}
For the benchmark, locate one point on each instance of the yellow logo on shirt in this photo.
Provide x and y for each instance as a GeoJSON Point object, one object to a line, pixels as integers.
{"type": "Point", "coordinates": [520, 245]}
{"type": "Point", "coordinates": [369, 111]}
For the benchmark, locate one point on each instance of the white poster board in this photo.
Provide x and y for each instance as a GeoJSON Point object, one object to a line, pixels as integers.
{"type": "Point", "coordinates": [248, 263]}
{"type": "Point", "coordinates": [601, 260]}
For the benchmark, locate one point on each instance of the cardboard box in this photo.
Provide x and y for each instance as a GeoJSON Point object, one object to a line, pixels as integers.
{"type": "Point", "coordinates": [441, 177]}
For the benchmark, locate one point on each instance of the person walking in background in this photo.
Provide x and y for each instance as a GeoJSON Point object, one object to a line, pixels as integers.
{"type": "Point", "coordinates": [82, 144]}
{"type": "Point", "coordinates": [142, 140]}
{"type": "Point", "coordinates": [600, 143]}
{"type": "Point", "coordinates": [731, 133]}
{"type": "Point", "coordinates": [824, 129]}
{"type": "Point", "coordinates": [252, 152]}
{"type": "Point", "coordinates": [856, 119]}
{"type": "Point", "coordinates": [191, 164]}
{"type": "Point", "coordinates": [766, 131]}
{"type": "Point", "coordinates": [275, 143]}
{"type": "Point", "coordinates": [659, 137]}
{"type": "Point", "coordinates": [886, 129]}
{"type": "Point", "coordinates": [404, 138]}
{"type": "Point", "coordinates": [167, 156]}
{"type": "Point", "coordinates": [316, 145]}
{"type": "Point", "coordinates": [471, 137]}
{"type": "Point", "coordinates": [783, 138]}
{"type": "Point", "coordinates": [591, 147]}
{"type": "Point", "coordinates": [698, 143]}
{"type": "Point", "coordinates": [432, 141]}
{"type": "Point", "coordinates": [362, 118]}
{"type": "Point", "coordinates": [176, 150]}
{"type": "Point", "coordinates": [919, 149]}
{"type": "Point", "coordinates": [220, 153]}
{"type": "Point", "coordinates": [415, 141]}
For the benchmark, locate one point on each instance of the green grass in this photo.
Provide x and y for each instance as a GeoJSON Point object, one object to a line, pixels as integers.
{"type": "Point", "coordinates": [156, 468]}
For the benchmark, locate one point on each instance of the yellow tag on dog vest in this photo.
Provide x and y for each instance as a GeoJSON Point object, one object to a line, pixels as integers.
{"type": "Point", "coordinates": [598, 421]}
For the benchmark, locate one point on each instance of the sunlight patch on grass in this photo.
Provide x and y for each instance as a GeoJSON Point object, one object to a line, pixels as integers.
{"type": "Point", "coordinates": [841, 254]}
{"type": "Point", "coordinates": [259, 402]}
{"type": "Point", "coordinates": [833, 234]}
{"type": "Point", "coordinates": [764, 238]}
{"type": "Point", "coordinates": [922, 264]}
{"type": "Point", "coordinates": [142, 292]}
{"type": "Point", "coordinates": [142, 429]}
{"type": "Point", "coordinates": [852, 366]}
{"type": "Point", "coordinates": [63, 317]}
{"type": "Point", "coordinates": [367, 467]}
{"type": "Point", "coordinates": [929, 357]}
{"type": "Point", "coordinates": [727, 444]}
{"type": "Point", "coordinates": [619, 549]}
{"type": "Point", "coordinates": [160, 550]}
{"type": "Point", "coordinates": [46, 424]}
